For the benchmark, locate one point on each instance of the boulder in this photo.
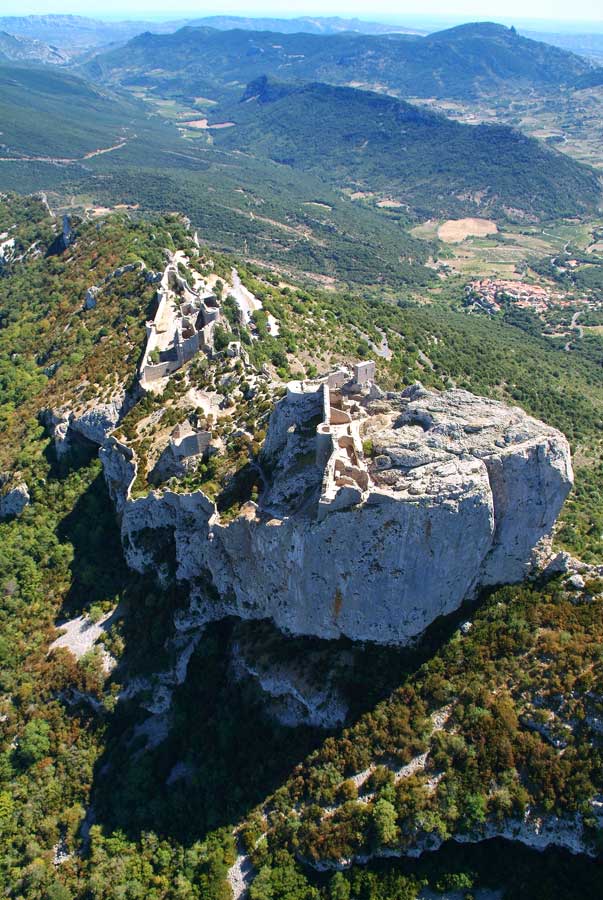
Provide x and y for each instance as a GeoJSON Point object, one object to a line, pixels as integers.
{"type": "Point", "coordinates": [90, 298]}
{"type": "Point", "coordinates": [14, 501]}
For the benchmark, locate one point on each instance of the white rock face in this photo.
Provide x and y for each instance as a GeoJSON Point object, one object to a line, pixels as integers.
{"type": "Point", "coordinates": [458, 492]}
{"type": "Point", "coordinates": [14, 501]}
{"type": "Point", "coordinates": [90, 298]}
{"type": "Point", "coordinates": [94, 422]}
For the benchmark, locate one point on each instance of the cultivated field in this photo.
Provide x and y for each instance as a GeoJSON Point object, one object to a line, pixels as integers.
{"type": "Point", "coordinates": [456, 230]}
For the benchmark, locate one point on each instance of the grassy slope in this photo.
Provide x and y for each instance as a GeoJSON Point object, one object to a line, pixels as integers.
{"type": "Point", "coordinates": [52, 113]}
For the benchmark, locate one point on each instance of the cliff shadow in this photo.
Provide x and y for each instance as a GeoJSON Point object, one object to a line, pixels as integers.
{"type": "Point", "coordinates": [494, 869]}
{"type": "Point", "coordinates": [218, 755]}
{"type": "Point", "coordinates": [221, 753]}
{"type": "Point", "coordinates": [78, 454]}
{"type": "Point", "coordinates": [98, 569]}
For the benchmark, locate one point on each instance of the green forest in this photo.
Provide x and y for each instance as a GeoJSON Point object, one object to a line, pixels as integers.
{"type": "Point", "coordinates": [432, 165]}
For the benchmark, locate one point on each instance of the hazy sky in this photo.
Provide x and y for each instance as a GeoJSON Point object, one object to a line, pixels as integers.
{"type": "Point", "coordinates": [561, 10]}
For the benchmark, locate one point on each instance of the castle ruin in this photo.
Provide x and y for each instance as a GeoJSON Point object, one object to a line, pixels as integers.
{"type": "Point", "coordinates": [342, 396]}
{"type": "Point", "coordinates": [183, 325]}
{"type": "Point", "coordinates": [187, 441]}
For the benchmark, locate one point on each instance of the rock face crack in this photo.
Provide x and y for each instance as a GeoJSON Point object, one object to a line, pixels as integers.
{"type": "Point", "coordinates": [453, 493]}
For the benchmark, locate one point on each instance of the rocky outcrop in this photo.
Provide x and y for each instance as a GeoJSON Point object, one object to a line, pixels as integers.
{"type": "Point", "coordinates": [93, 422]}
{"type": "Point", "coordinates": [455, 494]}
{"type": "Point", "coordinates": [91, 297]}
{"type": "Point", "coordinates": [64, 240]}
{"type": "Point", "coordinates": [14, 501]}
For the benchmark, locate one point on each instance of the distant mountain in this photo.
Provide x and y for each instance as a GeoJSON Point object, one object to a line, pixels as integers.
{"type": "Point", "coordinates": [74, 33]}
{"type": "Point", "coordinates": [79, 33]}
{"type": "Point", "coordinates": [424, 161]}
{"type": "Point", "coordinates": [460, 62]}
{"type": "Point", "coordinates": [587, 45]}
{"type": "Point", "coordinates": [314, 25]}
{"type": "Point", "coordinates": [24, 49]}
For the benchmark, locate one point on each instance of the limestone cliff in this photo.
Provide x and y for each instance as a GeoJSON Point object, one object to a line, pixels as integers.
{"type": "Point", "coordinates": [378, 514]}
{"type": "Point", "coordinates": [92, 421]}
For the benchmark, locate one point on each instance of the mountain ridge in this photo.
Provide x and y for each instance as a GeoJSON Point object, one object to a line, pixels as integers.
{"type": "Point", "coordinates": [464, 62]}
{"type": "Point", "coordinates": [427, 162]}
{"type": "Point", "coordinates": [22, 49]}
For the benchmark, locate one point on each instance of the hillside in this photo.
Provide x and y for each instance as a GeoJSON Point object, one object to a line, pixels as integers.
{"type": "Point", "coordinates": [431, 165]}
{"type": "Point", "coordinates": [461, 62]}
{"type": "Point", "coordinates": [593, 78]}
{"type": "Point", "coordinates": [62, 134]}
{"type": "Point", "coordinates": [21, 49]}
{"type": "Point", "coordinates": [134, 745]}
{"type": "Point", "coordinates": [50, 113]}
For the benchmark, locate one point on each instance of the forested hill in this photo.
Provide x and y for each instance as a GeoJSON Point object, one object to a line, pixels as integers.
{"type": "Point", "coordinates": [459, 62]}
{"type": "Point", "coordinates": [429, 163]}
{"type": "Point", "coordinates": [51, 113]}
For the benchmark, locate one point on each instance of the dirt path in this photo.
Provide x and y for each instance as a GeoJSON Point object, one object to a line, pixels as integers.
{"type": "Point", "coordinates": [574, 323]}
{"type": "Point", "coordinates": [248, 303]}
{"type": "Point", "coordinates": [240, 873]}
{"type": "Point", "coordinates": [60, 160]}
{"type": "Point", "coordinates": [381, 349]}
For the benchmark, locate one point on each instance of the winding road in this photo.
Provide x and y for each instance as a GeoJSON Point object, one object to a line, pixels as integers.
{"type": "Point", "coordinates": [579, 328]}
